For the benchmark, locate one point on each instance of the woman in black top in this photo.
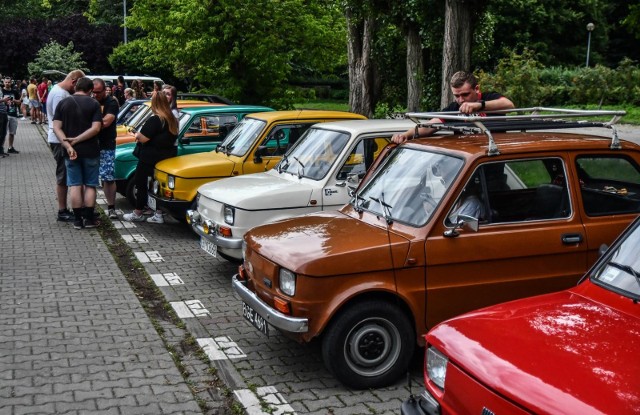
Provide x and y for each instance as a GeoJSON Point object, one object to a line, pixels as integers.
{"type": "Point", "coordinates": [157, 141]}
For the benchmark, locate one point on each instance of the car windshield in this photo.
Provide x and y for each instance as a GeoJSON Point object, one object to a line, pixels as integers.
{"type": "Point", "coordinates": [183, 120]}
{"type": "Point", "coordinates": [139, 116]}
{"type": "Point", "coordinates": [621, 269]}
{"type": "Point", "coordinates": [314, 154]}
{"type": "Point", "coordinates": [242, 137]}
{"type": "Point", "coordinates": [409, 185]}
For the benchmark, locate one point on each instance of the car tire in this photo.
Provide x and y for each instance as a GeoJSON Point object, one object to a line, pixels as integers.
{"type": "Point", "coordinates": [131, 191]}
{"type": "Point", "coordinates": [384, 340]}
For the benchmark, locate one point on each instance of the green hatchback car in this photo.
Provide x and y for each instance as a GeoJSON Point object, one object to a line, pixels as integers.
{"type": "Point", "coordinates": [200, 129]}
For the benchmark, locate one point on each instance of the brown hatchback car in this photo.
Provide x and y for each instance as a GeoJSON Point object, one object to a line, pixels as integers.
{"type": "Point", "coordinates": [440, 226]}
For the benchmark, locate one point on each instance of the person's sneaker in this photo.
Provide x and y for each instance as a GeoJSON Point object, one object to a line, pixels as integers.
{"type": "Point", "coordinates": [78, 224]}
{"type": "Point", "coordinates": [90, 222]}
{"type": "Point", "coordinates": [132, 217]}
{"type": "Point", "coordinates": [23, 118]}
{"type": "Point", "coordinates": [13, 151]}
{"type": "Point", "coordinates": [112, 214]}
{"type": "Point", "coordinates": [33, 122]}
{"type": "Point", "coordinates": [157, 218]}
{"type": "Point", "coordinates": [65, 216]}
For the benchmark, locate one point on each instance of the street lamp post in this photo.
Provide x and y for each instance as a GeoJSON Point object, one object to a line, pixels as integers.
{"type": "Point", "coordinates": [590, 27]}
{"type": "Point", "coordinates": [124, 12]}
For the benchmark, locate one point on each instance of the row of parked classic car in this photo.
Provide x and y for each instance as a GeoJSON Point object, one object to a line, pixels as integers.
{"type": "Point", "coordinates": [348, 240]}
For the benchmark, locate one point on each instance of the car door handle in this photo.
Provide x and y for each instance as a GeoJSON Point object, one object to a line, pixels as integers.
{"type": "Point", "coordinates": [571, 238]}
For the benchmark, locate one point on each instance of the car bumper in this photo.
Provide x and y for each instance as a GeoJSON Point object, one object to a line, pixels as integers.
{"type": "Point", "coordinates": [175, 207]}
{"type": "Point", "coordinates": [273, 317]}
{"type": "Point", "coordinates": [425, 404]}
{"type": "Point", "coordinates": [222, 242]}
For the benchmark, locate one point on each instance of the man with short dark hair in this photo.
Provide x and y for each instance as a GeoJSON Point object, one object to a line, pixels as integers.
{"type": "Point", "coordinates": [468, 100]}
{"type": "Point", "coordinates": [107, 140]}
{"type": "Point", "coordinates": [60, 91]}
{"type": "Point", "coordinates": [9, 102]}
{"type": "Point", "coordinates": [76, 123]}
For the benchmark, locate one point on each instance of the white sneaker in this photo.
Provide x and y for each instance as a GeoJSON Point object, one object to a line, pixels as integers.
{"type": "Point", "coordinates": [112, 214]}
{"type": "Point", "coordinates": [132, 217]}
{"type": "Point", "coordinates": [23, 119]}
{"type": "Point", "coordinates": [156, 218]}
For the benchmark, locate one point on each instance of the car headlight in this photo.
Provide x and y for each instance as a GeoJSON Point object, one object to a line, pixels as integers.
{"type": "Point", "coordinates": [171, 182]}
{"type": "Point", "coordinates": [436, 367]}
{"type": "Point", "coordinates": [229, 214]}
{"type": "Point", "coordinates": [287, 282]}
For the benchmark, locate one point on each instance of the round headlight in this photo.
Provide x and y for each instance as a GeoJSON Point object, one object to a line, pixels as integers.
{"type": "Point", "coordinates": [287, 282]}
{"type": "Point", "coordinates": [208, 226]}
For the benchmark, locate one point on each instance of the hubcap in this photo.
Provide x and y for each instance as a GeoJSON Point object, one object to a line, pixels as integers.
{"type": "Point", "coordinates": [372, 347]}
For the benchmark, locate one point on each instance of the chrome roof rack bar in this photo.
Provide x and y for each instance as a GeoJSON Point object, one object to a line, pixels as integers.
{"type": "Point", "coordinates": [518, 119]}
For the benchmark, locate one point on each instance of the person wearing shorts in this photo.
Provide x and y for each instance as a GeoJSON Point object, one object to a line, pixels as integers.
{"type": "Point", "coordinates": [107, 139]}
{"type": "Point", "coordinates": [76, 123]}
{"type": "Point", "coordinates": [34, 103]}
{"type": "Point", "coordinates": [60, 91]}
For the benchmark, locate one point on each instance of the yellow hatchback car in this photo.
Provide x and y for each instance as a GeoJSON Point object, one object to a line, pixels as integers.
{"type": "Point", "coordinates": [256, 144]}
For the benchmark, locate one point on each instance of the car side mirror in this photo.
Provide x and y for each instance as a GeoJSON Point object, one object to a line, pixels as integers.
{"type": "Point", "coordinates": [257, 156]}
{"type": "Point", "coordinates": [463, 221]}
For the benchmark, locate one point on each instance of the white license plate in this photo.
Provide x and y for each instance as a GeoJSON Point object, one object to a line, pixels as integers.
{"type": "Point", "coordinates": [208, 247]}
{"type": "Point", "coordinates": [255, 319]}
{"type": "Point", "coordinates": [151, 202]}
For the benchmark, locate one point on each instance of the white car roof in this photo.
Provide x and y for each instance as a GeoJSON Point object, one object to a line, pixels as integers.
{"type": "Point", "coordinates": [356, 127]}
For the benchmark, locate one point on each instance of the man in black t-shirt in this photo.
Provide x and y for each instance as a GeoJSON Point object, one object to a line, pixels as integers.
{"type": "Point", "coordinates": [9, 102]}
{"type": "Point", "coordinates": [107, 140]}
{"type": "Point", "coordinates": [76, 124]}
{"type": "Point", "coordinates": [468, 100]}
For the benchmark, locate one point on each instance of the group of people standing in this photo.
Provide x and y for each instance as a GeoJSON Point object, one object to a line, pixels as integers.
{"type": "Point", "coordinates": [82, 137]}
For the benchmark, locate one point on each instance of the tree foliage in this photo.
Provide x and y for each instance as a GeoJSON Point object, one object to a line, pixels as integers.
{"type": "Point", "coordinates": [54, 56]}
{"type": "Point", "coordinates": [246, 50]}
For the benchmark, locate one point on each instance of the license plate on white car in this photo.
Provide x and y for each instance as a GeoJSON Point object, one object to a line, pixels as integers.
{"type": "Point", "coordinates": [209, 247]}
{"type": "Point", "coordinates": [151, 202]}
{"type": "Point", "coordinates": [255, 319]}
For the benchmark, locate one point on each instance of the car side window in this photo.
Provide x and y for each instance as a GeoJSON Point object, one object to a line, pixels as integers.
{"type": "Point", "coordinates": [515, 191]}
{"type": "Point", "coordinates": [362, 156]}
{"type": "Point", "coordinates": [608, 184]}
{"type": "Point", "coordinates": [282, 137]}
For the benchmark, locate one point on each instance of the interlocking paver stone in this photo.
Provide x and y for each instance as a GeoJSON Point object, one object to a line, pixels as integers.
{"type": "Point", "coordinates": [75, 338]}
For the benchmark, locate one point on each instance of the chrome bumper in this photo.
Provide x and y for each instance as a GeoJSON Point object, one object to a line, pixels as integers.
{"type": "Point", "coordinates": [273, 317]}
{"type": "Point", "coordinates": [222, 242]}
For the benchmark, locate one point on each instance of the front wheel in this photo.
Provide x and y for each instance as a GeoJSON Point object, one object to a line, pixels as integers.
{"type": "Point", "coordinates": [369, 345]}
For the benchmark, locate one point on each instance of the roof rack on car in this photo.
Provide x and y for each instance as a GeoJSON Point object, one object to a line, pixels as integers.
{"type": "Point", "coordinates": [518, 119]}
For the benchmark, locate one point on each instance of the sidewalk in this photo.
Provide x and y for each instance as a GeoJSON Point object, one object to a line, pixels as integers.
{"type": "Point", "coordinates": [73, 336]}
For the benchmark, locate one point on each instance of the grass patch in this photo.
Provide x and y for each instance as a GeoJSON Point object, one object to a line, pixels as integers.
{"type": "Point", "coordinates": [327, 105]}
{"type": "Point", "coordinates": [184, 351]}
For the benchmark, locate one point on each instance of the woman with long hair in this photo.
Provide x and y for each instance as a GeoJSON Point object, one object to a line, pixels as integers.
{"type": "Point", "coordinates": [157, 141]}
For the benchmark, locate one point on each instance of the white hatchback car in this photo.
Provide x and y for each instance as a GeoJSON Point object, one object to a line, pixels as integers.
{"type": "Point", "coordinates": [314, 175]}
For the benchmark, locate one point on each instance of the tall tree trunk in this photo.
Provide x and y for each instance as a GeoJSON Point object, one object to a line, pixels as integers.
{"type": "Point", "coordinates": [456, 51]}
{"type": "Point", "coordinates": [361, 79]}
{"type": "Point", "coordinates": [415, 69]}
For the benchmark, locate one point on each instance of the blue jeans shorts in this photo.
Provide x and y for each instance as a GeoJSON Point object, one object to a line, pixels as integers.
{"type": "Point", "coordinates": [83, 171]}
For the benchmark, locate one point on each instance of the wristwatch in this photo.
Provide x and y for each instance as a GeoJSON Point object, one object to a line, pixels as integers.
{"type": "Point", "coordinates": [481, 104]}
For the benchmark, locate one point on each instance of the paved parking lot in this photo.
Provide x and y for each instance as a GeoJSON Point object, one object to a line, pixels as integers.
{"type": "Point", "coordinates": [76, 339]}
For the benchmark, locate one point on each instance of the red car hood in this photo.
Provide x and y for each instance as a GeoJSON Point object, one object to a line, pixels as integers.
{"type": "Point", "coordinates": [327, 243]}
{"type": "Point", "coordinates": [560, 353]}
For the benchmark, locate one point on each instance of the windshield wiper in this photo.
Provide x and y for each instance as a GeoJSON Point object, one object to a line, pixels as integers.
{"type": "Point", "coordinates": [356, 204]}
{"type": "Point", "coordinates": [284, 160]}
{"type": "Point", "coordinates": [386, 208]}
{"type": "Point", "coordinates": [628, 269]}
{"type": "Point", "coordinates": [301, 165]}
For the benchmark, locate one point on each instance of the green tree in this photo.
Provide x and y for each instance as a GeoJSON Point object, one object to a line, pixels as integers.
{"type": "Point", "coordinates": [54, 56]}
{"type": "Point", "coordinates": [246, 50]}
